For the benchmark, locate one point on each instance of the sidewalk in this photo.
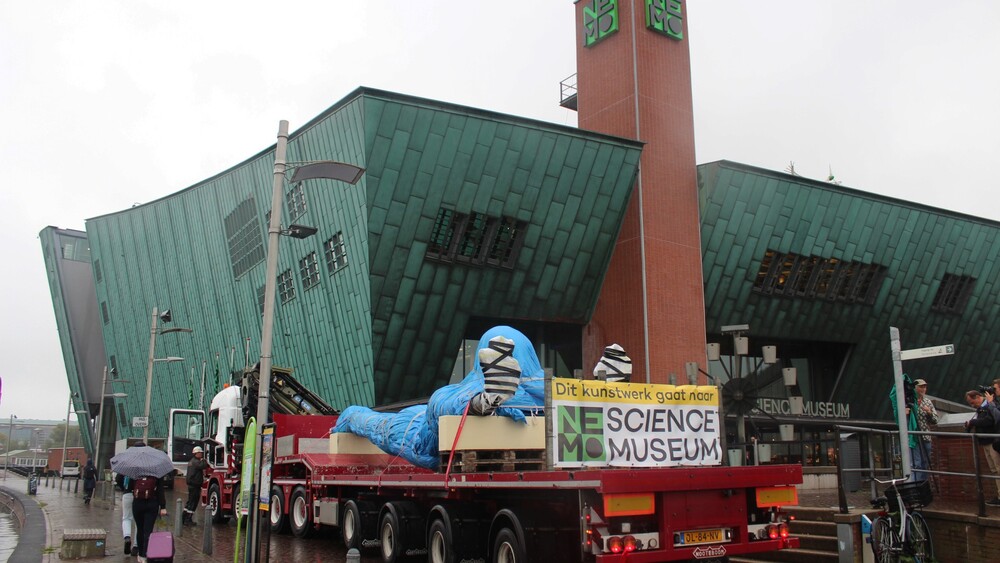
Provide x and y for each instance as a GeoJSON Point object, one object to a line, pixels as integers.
{"type": "Point", "coordinates": [64, 509]}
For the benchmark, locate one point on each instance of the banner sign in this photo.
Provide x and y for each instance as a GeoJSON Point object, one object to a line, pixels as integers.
{"type": "Point", "coordinates": [266, 461]}
{"type": "Point", "coordinates": [247, 477]}
{"type": "Point", "coordinates": [599, 424]}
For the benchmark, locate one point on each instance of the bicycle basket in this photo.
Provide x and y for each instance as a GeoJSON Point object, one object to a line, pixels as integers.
{"type": "Point", "coordinates": [914, 495]}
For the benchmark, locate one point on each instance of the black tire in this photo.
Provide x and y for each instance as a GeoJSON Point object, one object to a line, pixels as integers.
{"type": "Point", "coordinates": [215, 504]}
{"type": "Point", "coordinates": [883, 540]}
{"type": "Point", "coordinates": [391, 538]}
{"type": "Point", "coordinates": [918, 539]}
{"type": "Point", "coordinates": [278, 517]}
{"type": "Point", "coordinates": [299, 514]}
{"type": "Point", "coordinates": [440, 548]}
{"type": "Point", "coordinates": [507, 548]}
{"type": "Point", "coordinates": [350, 526]}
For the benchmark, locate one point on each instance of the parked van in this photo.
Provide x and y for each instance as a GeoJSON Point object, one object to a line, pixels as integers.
{"type": "Point", "coordinates": [71, 468]}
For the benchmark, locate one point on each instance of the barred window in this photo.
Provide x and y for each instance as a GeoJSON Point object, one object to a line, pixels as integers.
{"type": "Point", "coordinates": [286, 286]}
{"type": "Point", "coordinates": [295, 201]}
{"type": "Point", "coordinates": [244, 238]}
{"type": "Point", "coordinates": [792, 275]}
{"type": "Point", "coordinates": [97, 270]}
{"type": "Point", "coordinates": [104, 312]}
{"type": "Point", "coordinates": [953, 294]}
{"type": "Point", "coordinates": [335, 252]}
{"type": "Point", "coordinates": [475, 238]}
{"type": "Point", "coordinates": [309, 270]}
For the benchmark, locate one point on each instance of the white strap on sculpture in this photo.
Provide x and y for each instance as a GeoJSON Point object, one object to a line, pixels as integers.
{"type": "Point", "coordinates": [501, 376]}
{"type": "Point", "coordinates": [615, 364]}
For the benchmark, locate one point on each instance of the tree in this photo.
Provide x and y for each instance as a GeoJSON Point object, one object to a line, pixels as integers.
{"type": "Point", "coordinates": [73, 440]}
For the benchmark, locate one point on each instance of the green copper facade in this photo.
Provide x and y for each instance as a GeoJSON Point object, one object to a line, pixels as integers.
{"type": "Point", "coordinates": [464, 217]}
{"type": "Point", "coordinates": [824, 271]}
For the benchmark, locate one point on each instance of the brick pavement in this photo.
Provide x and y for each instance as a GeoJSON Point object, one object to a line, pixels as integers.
{"type": "Point", "coordinates": [64, 509]}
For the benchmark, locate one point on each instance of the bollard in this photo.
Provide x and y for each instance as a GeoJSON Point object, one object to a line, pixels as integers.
{"type": "Point", "coordinates": [353, 555]}
{"type": "Point", "coordinates": [206, 536]}
{"type": "Point", "coordinates": [178, 518]}
{"type": "Point", "coordinates": [76, 486]}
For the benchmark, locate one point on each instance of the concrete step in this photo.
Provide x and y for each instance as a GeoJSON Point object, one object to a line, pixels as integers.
{"type": "Point", "coordinates": [813, 528]}
{"type": "Point", "coordinates": [818, 543]}
{"type": "Point", "coordinates": [790, 556]}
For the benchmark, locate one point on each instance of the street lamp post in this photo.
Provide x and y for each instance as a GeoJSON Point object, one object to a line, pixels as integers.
{"type": "Point", "coordinates": [69, 410]}
{"type": "Point", "coordinates": [165, 316]}
{"type": "Point", "coordinates": [9, 432]}
{"type": "Point", "coordinates": [324, 169]}
{"type": "Point", "coordinates": [100, 413]}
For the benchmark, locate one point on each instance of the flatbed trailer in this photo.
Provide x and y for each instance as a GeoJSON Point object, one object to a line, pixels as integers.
{"type": "Point", "coordinates": [379, 501]}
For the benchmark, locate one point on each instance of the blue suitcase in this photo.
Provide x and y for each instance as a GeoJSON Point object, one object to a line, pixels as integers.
{"type": "Point", "coordinates": [160, 548]}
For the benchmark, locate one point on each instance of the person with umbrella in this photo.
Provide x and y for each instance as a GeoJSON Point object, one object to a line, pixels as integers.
{"type": "Point", "coordinates": [146, 466]}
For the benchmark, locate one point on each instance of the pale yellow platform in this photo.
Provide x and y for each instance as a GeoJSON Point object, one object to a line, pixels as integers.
{"type": "Point", "coordinates": [346, 443]}
{"type": "Point", "coordinates": [492, 433]}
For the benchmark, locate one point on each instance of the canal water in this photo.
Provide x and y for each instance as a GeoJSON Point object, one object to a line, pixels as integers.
{"type": "Point", "coordinates": [8, 536]}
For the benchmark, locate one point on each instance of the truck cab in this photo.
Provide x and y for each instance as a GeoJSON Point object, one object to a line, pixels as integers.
{"type": "Point", "coordinates": [186, 430]}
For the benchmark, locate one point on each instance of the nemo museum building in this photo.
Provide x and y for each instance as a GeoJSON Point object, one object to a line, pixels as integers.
{"type": "Point", "coordinates": [579, 237]}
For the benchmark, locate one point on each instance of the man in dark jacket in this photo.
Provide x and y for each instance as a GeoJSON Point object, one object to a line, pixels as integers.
{"type": "Point", "coordinates": [195, 477]}
{"type": "Point", "coordinates": [985, 422]}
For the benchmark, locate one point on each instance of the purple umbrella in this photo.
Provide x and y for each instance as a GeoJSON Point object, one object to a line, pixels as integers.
{"type": "Point", "coordinates": [142, 461]}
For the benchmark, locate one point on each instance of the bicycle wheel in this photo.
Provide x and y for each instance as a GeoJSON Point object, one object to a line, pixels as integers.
{"type": "Point", "coordinates": [918, 539]}
{"type": "Point", "coordinates": [883, 539]}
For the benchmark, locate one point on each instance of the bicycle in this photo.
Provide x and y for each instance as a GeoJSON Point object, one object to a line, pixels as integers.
{"type": "Point", "coordinates": [900, 531]}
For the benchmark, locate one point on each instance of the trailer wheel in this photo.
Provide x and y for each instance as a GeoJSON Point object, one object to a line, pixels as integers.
{"type": "Point", "coordinates": [279, 520]}
{"type": "Point", "coordinates": [298, 513]}
{"type": "Point", "coordinates": [439, 546]}
{"type": "Point", "coordinates": [350, 525]}
{"type": "Point", "coordinates": [391, 538]}
{"type": "Point", "coordinates": [507, 548]}
{"type": "Point", "coordinates": [215, 504]}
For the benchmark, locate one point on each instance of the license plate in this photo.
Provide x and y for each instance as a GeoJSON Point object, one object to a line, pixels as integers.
{"type": "Point", "coordinates": [702, 536]}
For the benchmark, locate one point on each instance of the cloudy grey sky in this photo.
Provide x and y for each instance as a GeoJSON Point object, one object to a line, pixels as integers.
{"type": "Point", "coordinates": [106, 104]}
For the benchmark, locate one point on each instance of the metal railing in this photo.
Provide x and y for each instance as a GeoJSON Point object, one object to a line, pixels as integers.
{"type": "Point", "coordinates": [891, 438]}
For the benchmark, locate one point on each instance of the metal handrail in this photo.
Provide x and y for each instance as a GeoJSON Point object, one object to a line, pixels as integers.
{"type": "Point", "coordinates": [872, 470]}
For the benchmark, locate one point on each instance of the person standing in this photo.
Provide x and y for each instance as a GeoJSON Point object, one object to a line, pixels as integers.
{"type": "Point", "coordinates": [89, 481]}
{"type": "Point", "coordinates": [195, 477]}
{"type": "Point", "coordinates": [149, 501]}
{"type": "Point", "coordinates": [927, 416]}
{"type": "Point", "coordinates": [125, 484]}
{"type": "Point", "coordinates": [985, 422]}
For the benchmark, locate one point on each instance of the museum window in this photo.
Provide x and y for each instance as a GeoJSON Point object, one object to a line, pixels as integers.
{"type": "Point", "coordinates": [295, 201]}
{"type": "Point", "coordinates": [814, 277]}
{"type": "Point", "coordinates": [309, 270]}
{"type": "Point", "coordinates": [104, 312]}
{"type": "Point", "coordinates": [97, 270]}
{"type": "Point", "coordinates": [260, 298]}
{"type": "Point", "coordinates": [286, 286]}
{"type": "Point", "coordinates": [243, 237]}
{"type": "Point", "coordinates": [476, 238]}
{"type": "Point", "coordinates": [335, 252]}
{"type": "Point", "coordinates": [953, 294]}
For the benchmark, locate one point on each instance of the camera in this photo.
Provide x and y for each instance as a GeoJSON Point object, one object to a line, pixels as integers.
{"type": "Point", "coordinates": [985, 389]}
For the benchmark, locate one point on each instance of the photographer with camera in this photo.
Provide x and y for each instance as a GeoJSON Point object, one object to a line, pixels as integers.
{"type": "Point", "coordinates": [985, 422]}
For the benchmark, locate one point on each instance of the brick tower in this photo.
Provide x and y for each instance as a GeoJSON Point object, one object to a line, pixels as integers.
{"type": "Point", "coordinates": [634, 80]}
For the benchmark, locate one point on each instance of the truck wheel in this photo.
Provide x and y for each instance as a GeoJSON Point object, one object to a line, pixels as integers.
{"type": "Point", "coordinates": [298, 513]}
{"type": "Point", "coordinates": [439, 546]}
{"type": "Point", "coordinates": [390, 537]}
{"type": "Point", "coordinates": [350, 525]}
{"type": "Point", "coordinates": [507, 548]}
{"type": "Point", "coordinates": [215, 504]}
{"type": "Point", "coordinates": [279, 520]}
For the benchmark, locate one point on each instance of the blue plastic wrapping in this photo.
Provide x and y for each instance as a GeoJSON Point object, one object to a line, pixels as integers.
{"type": "Point", "coordinates": [412, 433]}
